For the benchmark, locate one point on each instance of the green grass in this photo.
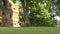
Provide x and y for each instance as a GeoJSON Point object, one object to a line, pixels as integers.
{"type": "Point", "coordinates": [30, 30]}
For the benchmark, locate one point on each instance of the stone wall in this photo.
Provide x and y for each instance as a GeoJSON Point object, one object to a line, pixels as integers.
{"type": "Point", "coordinates": [9, 14]}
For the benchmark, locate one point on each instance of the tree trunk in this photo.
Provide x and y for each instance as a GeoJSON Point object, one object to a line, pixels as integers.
{"type": "Point", "coordinates": [25, 4]}
{"type": "Point", "coordinates": [26, 13]}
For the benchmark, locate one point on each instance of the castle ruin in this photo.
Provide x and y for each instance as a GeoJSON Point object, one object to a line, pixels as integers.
{"type": "Point", "coordinates": [9, 14]}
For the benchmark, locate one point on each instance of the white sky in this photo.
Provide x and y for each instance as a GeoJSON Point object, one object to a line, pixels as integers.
{"type": "Point", "coordinates": [57, 18]}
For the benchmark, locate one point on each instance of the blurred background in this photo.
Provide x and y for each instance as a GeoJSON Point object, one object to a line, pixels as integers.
{"type": "Point", "coordinates": [39, 12]}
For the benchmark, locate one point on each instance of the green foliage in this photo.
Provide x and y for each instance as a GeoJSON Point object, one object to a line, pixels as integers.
{"type": "Point", "coordinates": [40, 12]}
{"type": "Point", "coordinates": [14, 1]}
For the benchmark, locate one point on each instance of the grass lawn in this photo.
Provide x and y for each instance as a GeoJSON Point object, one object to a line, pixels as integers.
{"type": "Point", "coordinates": [30, 30]}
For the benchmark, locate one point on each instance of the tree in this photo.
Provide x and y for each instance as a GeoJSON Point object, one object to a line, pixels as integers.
{"type": "Point", "coordinates": [25, 4]}
{"type": "Point", "coordinates": [40, 12]}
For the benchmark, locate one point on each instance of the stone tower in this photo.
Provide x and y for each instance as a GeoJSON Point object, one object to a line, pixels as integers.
{"type": "Point", "coordinates": [9, 14]}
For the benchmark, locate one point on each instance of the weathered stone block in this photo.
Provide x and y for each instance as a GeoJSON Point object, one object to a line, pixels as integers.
{"type": "Point", "coordinates": [9, 14]}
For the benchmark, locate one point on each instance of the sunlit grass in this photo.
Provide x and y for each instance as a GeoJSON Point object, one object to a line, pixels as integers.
{"type": "Point", "coordinates": [30, 30]}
